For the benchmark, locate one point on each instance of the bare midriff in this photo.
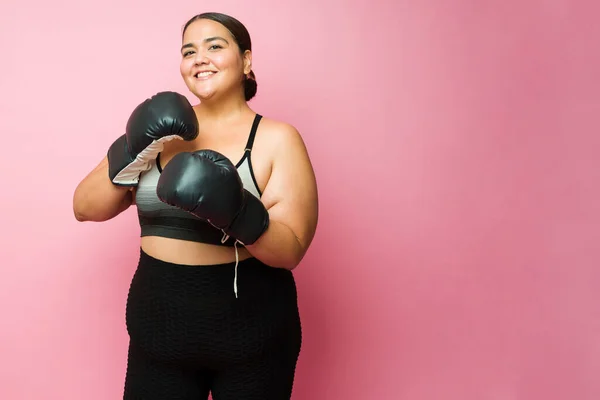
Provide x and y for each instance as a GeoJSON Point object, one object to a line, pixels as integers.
{"type": "Point", "coordinates": [191, 253]}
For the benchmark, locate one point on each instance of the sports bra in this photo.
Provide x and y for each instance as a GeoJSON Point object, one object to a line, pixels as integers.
{"type": "Point", "coordinates": [160, 219]}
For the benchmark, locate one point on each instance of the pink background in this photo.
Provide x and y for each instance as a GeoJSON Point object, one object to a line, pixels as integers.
{"type": "Point", "coordinates": [456, 148]}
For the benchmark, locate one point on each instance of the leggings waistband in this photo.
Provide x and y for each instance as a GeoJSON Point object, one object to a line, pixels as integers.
{"type": "Point", "coordinates": [251, 273]}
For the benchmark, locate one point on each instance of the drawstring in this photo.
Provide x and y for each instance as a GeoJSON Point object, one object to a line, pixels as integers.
{"type": "Point", "coordinates": [223, 240]}
{"type": "Point", "coordinates": [236, 265]}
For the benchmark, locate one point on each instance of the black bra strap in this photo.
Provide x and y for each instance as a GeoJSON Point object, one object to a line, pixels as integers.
{"type": "Point", "coordinates": [250, 143]}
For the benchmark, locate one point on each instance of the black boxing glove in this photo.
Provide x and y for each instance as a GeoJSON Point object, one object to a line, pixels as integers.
{"type": "Point", "coordinates": [159, 119]}
{"type": "Point", "coordinates": [206, 184]}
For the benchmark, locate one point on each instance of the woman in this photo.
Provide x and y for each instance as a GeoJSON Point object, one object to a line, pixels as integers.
{"type": "Point", "coordinates": [227, 203]}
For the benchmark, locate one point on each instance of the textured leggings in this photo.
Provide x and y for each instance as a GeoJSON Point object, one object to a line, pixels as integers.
{"type": "Point", "coordinates": [190, 335]}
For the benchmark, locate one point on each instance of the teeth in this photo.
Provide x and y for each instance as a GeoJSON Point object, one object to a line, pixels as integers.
{"type": "Point", "coordinates": [206, 73]}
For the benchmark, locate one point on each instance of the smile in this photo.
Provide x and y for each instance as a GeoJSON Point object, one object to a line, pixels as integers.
{"type": "Point", "coordinates": [204, 74]}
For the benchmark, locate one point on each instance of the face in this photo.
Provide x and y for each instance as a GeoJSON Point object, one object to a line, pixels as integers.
{"type": "Point", "coordinates": [211, 63]}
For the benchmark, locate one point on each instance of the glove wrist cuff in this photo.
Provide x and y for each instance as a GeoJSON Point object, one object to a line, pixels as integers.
{"type": "Point", "coordinates": [251, 222]}
{"type": "Point", "coordinates": [118, 157]}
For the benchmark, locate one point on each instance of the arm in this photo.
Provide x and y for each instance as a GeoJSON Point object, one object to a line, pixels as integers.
{"type": "Point", "coordinates": [291, 199]}
{"type": "Point", "coordinates": [107, 190]}
{"type": "Point", "coordinates": [97, 199]}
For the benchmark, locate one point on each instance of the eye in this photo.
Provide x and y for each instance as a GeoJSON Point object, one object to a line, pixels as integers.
{"type": "Point", "coordinates": [187, 53]}
{"type": "Point", "coordinates": [215, 47]}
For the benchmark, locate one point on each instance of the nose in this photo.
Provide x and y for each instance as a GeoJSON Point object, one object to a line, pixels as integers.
{"type": "Point", "coordinates": [200, 58]}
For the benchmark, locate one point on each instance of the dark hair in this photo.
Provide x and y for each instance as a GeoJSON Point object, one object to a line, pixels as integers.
{"type": "Point", "coordinates": [242, 38]}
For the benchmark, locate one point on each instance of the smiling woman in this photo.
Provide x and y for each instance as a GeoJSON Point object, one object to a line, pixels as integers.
{"type": "Point", "coordinates": [227, 204]}
{"type": "Point", "coordinates": [195, 40]}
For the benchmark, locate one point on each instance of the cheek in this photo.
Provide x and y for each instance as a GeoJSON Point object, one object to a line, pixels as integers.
{"type": "Point", "coordinates": [224, 61]}
{"type": "Point", "coordinates": [185, 67]}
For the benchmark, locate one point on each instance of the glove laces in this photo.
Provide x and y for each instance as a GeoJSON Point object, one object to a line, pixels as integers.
{"type": "Point", "coordinates": [223, 240]}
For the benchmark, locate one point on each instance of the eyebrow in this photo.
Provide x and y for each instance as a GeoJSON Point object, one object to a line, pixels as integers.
{"type": "Point", "coordinates": [210, 39]}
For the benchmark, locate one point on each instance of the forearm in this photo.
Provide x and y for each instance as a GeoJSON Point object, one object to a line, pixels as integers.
{"type": "Point", "coordinates": [278, 247]}
{"type": "Point", "coordinates": [97, 199]}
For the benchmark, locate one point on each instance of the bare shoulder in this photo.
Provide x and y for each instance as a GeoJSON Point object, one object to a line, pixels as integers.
{"type": "Point", "coordinates": [281, 142]}
{"type": "Point", "coordinates": [277, 133]}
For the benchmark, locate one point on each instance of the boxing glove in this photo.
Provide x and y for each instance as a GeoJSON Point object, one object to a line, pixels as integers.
{"type": "Point", "coordinates": [159, 119]}
{"type": "Point", "coordinates": [206, 184]}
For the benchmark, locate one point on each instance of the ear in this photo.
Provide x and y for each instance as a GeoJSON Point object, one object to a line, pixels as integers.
{"type": "Point", "coordinates": [247, 58]}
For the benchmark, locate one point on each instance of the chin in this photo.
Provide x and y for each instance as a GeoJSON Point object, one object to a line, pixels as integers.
{"type": "Point", "coordinates": [201, 94]}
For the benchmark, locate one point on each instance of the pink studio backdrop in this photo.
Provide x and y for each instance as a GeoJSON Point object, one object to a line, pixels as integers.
{"type": "Point", "coordinates": [456, 148]}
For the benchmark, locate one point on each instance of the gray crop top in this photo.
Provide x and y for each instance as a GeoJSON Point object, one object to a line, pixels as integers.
{"type": "Point", "coordinates": [160, 219]}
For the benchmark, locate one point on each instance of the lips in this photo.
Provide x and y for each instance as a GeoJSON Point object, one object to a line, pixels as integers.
{"type": "Point", "coordinates": [204, 74]}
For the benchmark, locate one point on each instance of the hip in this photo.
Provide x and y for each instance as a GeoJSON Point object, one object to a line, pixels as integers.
{"type": "Point", "coordinates": [182, 309]}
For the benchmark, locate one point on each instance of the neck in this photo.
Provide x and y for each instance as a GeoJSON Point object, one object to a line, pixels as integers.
{"type": "Point", "coordinates": [223, 109]}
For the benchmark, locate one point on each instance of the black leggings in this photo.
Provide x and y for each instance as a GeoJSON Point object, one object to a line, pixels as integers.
{"type": "Point", "coordinates": [190, 335]}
